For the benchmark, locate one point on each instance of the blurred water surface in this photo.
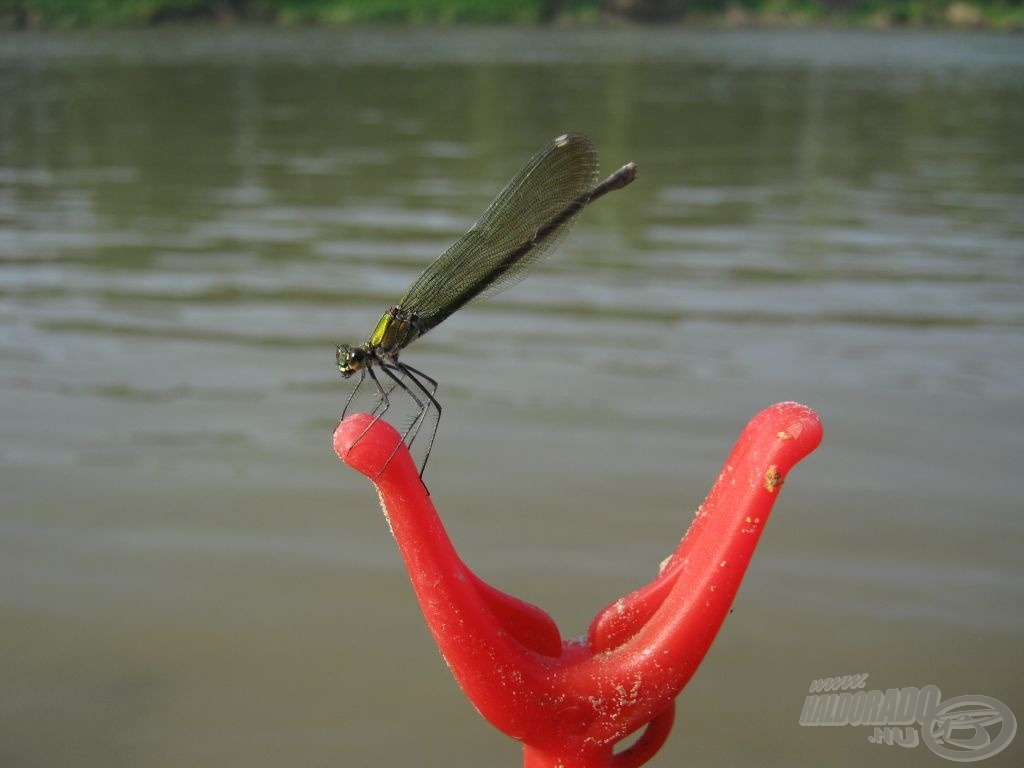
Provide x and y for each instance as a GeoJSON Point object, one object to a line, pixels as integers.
{"type": "Point", "coordinates": [190, 219]}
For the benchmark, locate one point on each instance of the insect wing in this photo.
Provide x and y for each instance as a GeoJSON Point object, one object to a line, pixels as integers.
{"type": "Point", "coordinates": [523, 224]}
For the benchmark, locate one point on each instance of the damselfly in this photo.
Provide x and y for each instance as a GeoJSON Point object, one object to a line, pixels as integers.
{"type": "Point", "coordinates": [523, 224]}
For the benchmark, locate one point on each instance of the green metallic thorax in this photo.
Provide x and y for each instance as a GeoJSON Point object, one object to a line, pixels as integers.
{"type": "Point", "coordinates": [395, 330]}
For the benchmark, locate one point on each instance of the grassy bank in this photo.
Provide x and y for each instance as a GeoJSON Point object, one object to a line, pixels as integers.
{"type": "Point", "coordinates": [993, 14]}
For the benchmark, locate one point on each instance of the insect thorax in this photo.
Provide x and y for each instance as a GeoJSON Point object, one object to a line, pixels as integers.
{"type": "Point", "coordinates": [395, 330]}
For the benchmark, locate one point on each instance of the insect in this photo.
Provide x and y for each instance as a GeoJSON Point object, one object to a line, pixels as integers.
{"type": "Point", "coordinates": [523, 225]}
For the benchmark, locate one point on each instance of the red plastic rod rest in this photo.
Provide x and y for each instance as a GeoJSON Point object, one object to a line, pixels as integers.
{"type": "Point", "coordinates": [570, 701]}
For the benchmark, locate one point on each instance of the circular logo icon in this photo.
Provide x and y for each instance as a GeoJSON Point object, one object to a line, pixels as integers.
{"type": "Point", "coordinates": [969, 728]}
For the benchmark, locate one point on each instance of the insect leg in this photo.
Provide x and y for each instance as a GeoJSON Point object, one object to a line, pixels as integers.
{"type": "Point", "coordinates": [352, 395]}
{"type": "Point", "coordinates": [379, 409]}
{"type": "Point", "coordinates": [390, 370]}
{"type": "Point", "coordinates": [415, 375]}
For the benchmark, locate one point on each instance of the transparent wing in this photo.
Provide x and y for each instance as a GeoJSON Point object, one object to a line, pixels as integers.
{"type": "Point", "coordinates": [522, 226]}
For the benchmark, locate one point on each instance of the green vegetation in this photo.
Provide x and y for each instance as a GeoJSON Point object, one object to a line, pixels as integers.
{"type": "Point", "coordinates": [1000, 14]}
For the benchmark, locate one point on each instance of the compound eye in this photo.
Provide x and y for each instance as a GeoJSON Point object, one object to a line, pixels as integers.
{"type": "Point", "coordinates": [350, 359]}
